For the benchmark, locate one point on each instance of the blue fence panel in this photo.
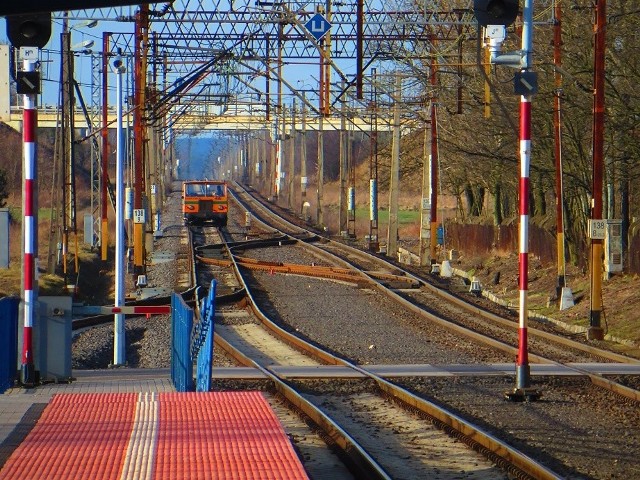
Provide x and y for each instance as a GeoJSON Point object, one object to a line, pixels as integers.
{"type": "Point", "coordinates": [203, 342]}
{"type": "Point", "coordinates": [8, 341]}
{"type": "Point", "coordinates": [181, 360]}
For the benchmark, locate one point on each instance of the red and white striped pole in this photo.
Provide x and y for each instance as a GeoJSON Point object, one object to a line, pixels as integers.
{"type": "Point", "coordinates": [522, 366]}
{"type": "Point", "coordinates": [523, 390]}
{"type": "Point", "coordinates": [30, 229]}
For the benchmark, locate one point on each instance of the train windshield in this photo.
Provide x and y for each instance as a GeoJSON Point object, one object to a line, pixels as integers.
{"type": "Point", "coordinates": [204, 189]}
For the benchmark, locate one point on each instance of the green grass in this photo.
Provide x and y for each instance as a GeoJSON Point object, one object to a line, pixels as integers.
{"type": "Point", "coordinates": [16, 213]}
{"type": "Point", "coordinates": [404, 216]}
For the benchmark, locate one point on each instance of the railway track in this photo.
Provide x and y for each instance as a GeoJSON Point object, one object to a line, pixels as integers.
{"type": "Point", "coordinates": [370, 408]}
{"type": "Point", "coordinates": [436, 304]}
{"type": "Point", "coordinates": [302, 306]}
{"type": "Point", "coordinates": [586, 392]}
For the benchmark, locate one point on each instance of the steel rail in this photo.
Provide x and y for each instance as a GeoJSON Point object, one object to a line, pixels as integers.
{"type": "Point", "coordinates": [318, 271]}
{"type": "Point", "coordinates": [612, 356]}
{"type": "Point", "coordinates": [349, 446]}
{"type": "Point", "coordinates": [615, 357]}
{"type": "Point", "coordinates": [492, 447]}
{"type": "Point", "coordinates": [290, 269]}
{"type": "Point", "coordinates": [475, 336]}
{"type": "Point", "coordinates": [595, 378]}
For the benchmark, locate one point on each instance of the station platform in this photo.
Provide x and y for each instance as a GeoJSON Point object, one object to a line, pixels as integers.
{"type": "Point", "coordinates": [131, 424]}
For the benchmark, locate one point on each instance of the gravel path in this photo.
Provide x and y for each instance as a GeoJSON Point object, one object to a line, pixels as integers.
{"type": "Point", "coordinates": [147, 340]}
{"type": "Point", "coordinates": [360, 324]}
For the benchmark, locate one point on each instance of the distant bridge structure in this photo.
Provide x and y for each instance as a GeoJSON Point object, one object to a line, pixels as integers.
{"type": "Point", "coordinates": [49, 117]}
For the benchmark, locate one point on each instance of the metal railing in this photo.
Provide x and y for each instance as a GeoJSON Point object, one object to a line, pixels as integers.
{"type": "Point", "coordinates": [192, 342]}
{"type": "Point", "coordinates": [202, 343]}
{"type": "Point", "coordinates": [181, 327]}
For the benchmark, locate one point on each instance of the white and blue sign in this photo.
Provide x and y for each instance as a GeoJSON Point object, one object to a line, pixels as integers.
{"type": "Point", "coordinates": [318, 26]}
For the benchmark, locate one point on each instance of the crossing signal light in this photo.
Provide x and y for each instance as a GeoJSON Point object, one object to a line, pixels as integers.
{"type": "Point", "coordinates": [495, 12]}
{"type": "Point", "coordinates": [29, 30]}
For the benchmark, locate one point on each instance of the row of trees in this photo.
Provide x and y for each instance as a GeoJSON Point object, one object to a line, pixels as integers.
{"type": "Point", "coordinates": [479, 155]}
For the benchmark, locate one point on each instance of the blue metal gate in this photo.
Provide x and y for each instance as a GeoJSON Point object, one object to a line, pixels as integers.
{"type": "Point", "coordinates": [8, 341]}
{"type": "Point", "coordinates": [202, 347]}
{"type": "Point", "coordinates": [181, 326]}
{"type": "Point", "coordinates": [190, 343]}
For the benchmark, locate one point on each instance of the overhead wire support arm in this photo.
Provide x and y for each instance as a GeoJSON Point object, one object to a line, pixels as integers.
{"type": "Point", "coordinates": [274, 71]}
{"type": "Point", "coordinates": [83, 107]}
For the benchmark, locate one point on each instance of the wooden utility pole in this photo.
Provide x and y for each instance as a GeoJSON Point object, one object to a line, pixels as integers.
{"type": "Point", "coordinates": [154, 168]}
{"type": "Point", "coordinates": [433, 214]}
{"type": "Point", "coordinates": [595, 331]}
{"type": "Point", "coordinates": [280, 110]}
{"type": "Point", "coordinates": [251, 158]}
{"type": "Point", "coordinates": [342, 199]}
{"type": "Point", "coordinates": [139, 188]}
{"type": "Point", "coordinates": [70, 225]}
{"type": "Point", "coordinates": [425, 208]}
{"type": "Point", "coordinates": [320, 174]}
{"type": "Point", "coordinates": [265, 174]}
{"type": "Point", "coordinates": [274, 172]}
{"type": "Point", "coordinates": [104, 164]}
{"type": "Point", "coordinates": [374, 243]}
{"type": "Point", "coordinates": [394, 182]}
{"type": "Point", "coordinates": [303, 158]}
{"type": "Point", "coordinates": [351, 191]}
{"type": "Point", "coordinates": [292, 158]}
{"type": "Point", "coordinates": [557, 150]}
{"type": "Point", "coordinates": [281, 136]}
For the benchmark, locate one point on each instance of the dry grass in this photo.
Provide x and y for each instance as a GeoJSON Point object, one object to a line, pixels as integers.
{"type": "Point", "coordinates": [11, 283]}
{"type": "Point", "coordinates": [48, 284]}
{"type": "Point", "coordinates": [10, 280]}
{"type": "Point", "coordinates": [620, 299]}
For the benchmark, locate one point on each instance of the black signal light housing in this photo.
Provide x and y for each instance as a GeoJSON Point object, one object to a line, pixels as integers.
{"type": "Point", "coordinates": [496, 12]}
{"type": "Point", "coordinates": [30, 30]}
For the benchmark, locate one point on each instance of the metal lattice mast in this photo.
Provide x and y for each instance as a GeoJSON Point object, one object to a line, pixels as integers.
{"type": "Point", "coordinates": [68, 149]}
{"type": "Point", "coordinates": [96, 157]}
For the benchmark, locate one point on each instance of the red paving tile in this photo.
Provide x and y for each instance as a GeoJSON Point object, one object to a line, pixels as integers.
{"type": "Point", "coordinates": [222, 435]}
{"type": "Point", "coordinates": [216, 435]}
{"type": "Point", "coordinates": [78, 436]}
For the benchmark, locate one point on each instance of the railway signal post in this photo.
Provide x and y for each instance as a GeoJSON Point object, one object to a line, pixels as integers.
{"type": "Point", "coordinates": [495, 16]}
{"type": "Point", "coordinates": [30, 218]}
{"type": "Point", "coordinates": [29, 33]}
